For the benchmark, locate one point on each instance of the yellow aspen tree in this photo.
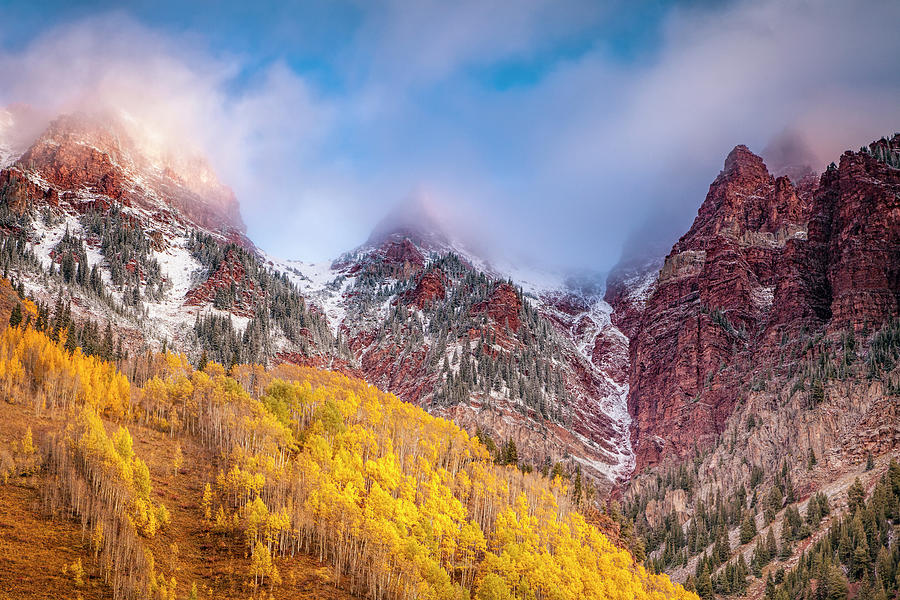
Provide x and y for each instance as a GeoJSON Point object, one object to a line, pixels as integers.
{"type": "Point", "coordinates": [262, 566]}
{"type": "Point", "coordinates": [177, 460]}
{"type": "Point", "coordinates": [206, 503]}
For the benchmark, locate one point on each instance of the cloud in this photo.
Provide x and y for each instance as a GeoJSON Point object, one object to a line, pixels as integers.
{"type": "Point", "coordinates": [257, 133]}
{"type": "Point", "coordinates": [562, 166]}
{"type": "Point", "coordinates": [416, 43]}
{"type": "Point", "coordinates": [613, 145]}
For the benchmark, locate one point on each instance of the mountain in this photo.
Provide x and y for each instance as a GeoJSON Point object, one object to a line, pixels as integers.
{"type": "Point", "coordinates": [764, 268]}
{"type": "Point", "coordinates": [764, 371]}
{"type": "Point", "coordinates": [101, 217]}
{"type": "Point", "coordinates": [119, 230]}
{"type": "Point", "coordinates": [529, 358]}
{"type": "Point", "coordinates": [126, 473]}
{"type": "Point", "coordinates": [724, 382]}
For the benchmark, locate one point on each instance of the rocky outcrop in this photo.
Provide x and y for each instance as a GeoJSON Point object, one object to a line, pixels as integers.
{"type": "Point", "coordinates": [856, 232]}
{"type": "Point", "coordinates": [502, 307]}
{"type": "Point", "coordinates": [764, 266]}
{"type": "Point", "coordinates": [19, 193]}
{"type": "Point", "coordinates": [228, 288]}
{"type": "Point", "coordinates": [430, 287]}
{"type": "Point", "coordinates": [397, 258]}
{"type": "Point", "coordinates": [628, 287]}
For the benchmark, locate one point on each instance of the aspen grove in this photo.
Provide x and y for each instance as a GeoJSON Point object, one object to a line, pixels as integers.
{"type": "Point", "coordinates": [401, 504]}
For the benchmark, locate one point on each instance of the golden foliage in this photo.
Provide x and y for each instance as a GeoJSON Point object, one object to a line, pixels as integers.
{"type": "Point", "coordinates": [402, 504]}
{"type": "Point", "coordinates": [32, 366]}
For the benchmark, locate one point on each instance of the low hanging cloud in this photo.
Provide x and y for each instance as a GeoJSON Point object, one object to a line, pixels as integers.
{"type": "Point", "coordinates": [615, 146]}
{"type": "Point", "coordinates": [562, 168]}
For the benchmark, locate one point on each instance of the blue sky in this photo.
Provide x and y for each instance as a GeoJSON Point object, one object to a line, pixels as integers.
{"type": "Point", "coordinates": [547, 129]}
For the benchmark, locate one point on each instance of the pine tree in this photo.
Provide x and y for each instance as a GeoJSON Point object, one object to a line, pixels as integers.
{"type": "Point", "coordinates": [834, 584]}
{"type": "Point", "coordinates": [748, 528]}
{"type": "Point", "coordinates": [861, 559]}
{"type": "Point", "coordinates": [771, 545]}
{"type": "Point", "coordinates": [813, 512]}
{"type": "Point", "coordinates": [510, 453]}
{"type": "Point", "coordinates": [578, 487]}
{"type": "Point", "coordinates": [15, 317]}
{"type": "Point", "coordinates": [704, 585]}
{"type": "Point", "coordinates": [856, 495]}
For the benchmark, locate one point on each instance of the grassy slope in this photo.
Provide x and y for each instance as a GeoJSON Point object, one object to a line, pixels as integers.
{"type": "Point", "coordinates": [34, 547]}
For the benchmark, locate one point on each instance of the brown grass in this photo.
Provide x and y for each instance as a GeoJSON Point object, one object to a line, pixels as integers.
{"type": "Point", "coordinates": [34, 547]}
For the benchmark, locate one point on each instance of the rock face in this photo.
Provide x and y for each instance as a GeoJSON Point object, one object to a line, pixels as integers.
{"type": "Point", "coordinates": [431, 287]}
{"type": "Point", "coordinates": [502, 307]}
{"type": "Point", "coordinates": [92, 159]}
{"type": "Point", "coordinates": [764, 265]}
{"type": "Point", "coordinates": [856, 234]}
{"type": "Point", "coordinates": [628, 287]}
{"type": "Point", "coordinates": [229, 278]}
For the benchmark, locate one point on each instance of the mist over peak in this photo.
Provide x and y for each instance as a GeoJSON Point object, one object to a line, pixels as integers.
{"type": "Point", "coordinates": [790, 154]}
{"type": "Point", "coordinates": [541, 140]}
{"type": "Point", "coordinates": [417, 218]}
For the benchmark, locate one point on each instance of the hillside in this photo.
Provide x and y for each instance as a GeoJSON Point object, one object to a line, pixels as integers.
{"type": "Point", "coordinates": [146, 240]}
{"type": "Point", "coordinates": [247, 483]}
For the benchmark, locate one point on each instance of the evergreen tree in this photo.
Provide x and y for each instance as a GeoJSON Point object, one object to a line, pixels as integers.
{"type": "Point", "coordinates": [748, 528]}
{"type": "Point", "coordinates": [856, 495]}
{"type": "Point", "coordinates": [705, 586]}
{"type": "Point", "coordinates": [15, 317]}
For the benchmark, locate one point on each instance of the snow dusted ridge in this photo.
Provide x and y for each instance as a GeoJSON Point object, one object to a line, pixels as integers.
{"type": "Point", "coordinates": [320, 284]}
{"type": "Point", "coordinates": [604, 351]}
{"type": "Point", "coordinates": [576, 309]}
{"type": "Point", "coordinates": [166, 319]}
{"type": "Point", "coordinates": [589, 324]}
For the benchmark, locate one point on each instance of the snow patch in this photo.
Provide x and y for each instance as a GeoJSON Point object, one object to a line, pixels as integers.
{"type": "Point", "coordinates": [320, 284]}
{"type": "Point", "coordinates": [763, 296]}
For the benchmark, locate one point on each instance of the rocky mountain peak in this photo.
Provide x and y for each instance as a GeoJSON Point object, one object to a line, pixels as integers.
{"type": "Point", "coordinates": [764, 264]}
{"type": "Point", "coordinates": [87, 159]}
{"type": "Point", "coordinates": [744, 164]}
{"type": "Point", "coordinates": [746, 201]}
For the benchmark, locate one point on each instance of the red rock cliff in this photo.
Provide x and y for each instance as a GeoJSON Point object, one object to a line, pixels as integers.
{"type": "Point", "coordinates": [763, 261]}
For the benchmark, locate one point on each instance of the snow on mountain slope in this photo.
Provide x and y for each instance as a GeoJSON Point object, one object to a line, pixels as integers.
{"type": "Point", "coordinates": [148, 242]}
{"type": "Point", "coordinates": [389, 298]}
{"type": "Point", "coordinates": [318, 282]}
{"type": "Point", "coordinates": [7, 152]}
